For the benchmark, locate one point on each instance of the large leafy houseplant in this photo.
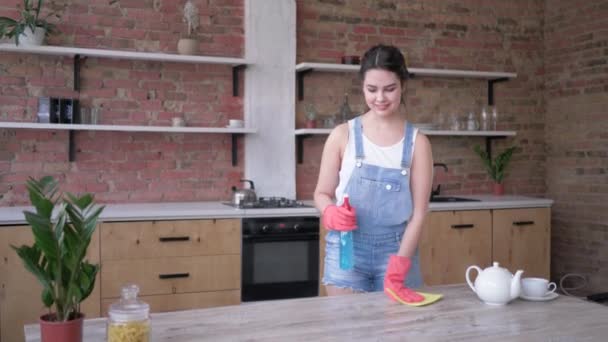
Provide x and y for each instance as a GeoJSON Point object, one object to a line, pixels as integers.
{"type": "Point", "coordinates": [62, 225]}
{"type": "Point", "coordinates": [496, 167]}
{"type": "Point", "coordinates": [30, 19]}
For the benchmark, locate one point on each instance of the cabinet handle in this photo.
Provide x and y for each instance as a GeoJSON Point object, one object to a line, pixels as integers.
{"type": "Point", "coordinates": [523, 223]}
{"type": "Point", "coordinates": [173, 238]}
{"type": "Point", "coordinates": [462, 226]}
{"type": "Point", "coordinates": [173, 275]}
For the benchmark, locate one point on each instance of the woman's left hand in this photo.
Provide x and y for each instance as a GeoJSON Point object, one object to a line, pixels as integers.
{"type": "Point", "coordinates": [396, 272]}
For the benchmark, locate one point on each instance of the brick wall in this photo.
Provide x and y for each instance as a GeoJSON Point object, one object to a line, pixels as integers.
{"type": "Point", "coordinates": [495, 36]}
{"type": "Point", "coordinates": [576, 64]}
{"type": "Point", "coordinates": [122, 166]}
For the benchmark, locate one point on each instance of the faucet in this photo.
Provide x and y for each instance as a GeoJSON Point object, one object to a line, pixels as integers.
{"type": "Point", "coordinates": [437, 190]}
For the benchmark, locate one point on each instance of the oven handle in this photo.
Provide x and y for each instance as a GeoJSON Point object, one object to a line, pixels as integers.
{"type": "Point", "coordinates": [281, 237]}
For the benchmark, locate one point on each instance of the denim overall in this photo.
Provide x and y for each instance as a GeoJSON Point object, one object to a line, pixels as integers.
{"type": "Point", "coordinates": [383, 201]}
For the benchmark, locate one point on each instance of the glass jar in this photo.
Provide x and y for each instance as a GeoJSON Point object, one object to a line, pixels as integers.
{"type": "Point", "coordinates": [128, 319]}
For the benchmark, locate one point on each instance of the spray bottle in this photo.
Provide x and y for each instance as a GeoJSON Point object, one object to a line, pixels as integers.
{"type": "Point", "coordinates": [346, 244]}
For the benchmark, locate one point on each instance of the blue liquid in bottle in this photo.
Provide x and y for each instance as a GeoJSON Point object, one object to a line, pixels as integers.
{"type": "Point", "coordinates": [347, 261]}
{"type": "Point", "coordinates": [346, 251]}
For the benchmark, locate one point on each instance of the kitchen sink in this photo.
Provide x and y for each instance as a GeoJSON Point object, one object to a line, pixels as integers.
{"type": "Point", "coordinates": [443, 199]}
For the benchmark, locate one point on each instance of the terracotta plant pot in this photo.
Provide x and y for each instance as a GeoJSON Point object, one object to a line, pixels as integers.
{"type": "Point", "coordinates": [499, 189]}
{"type": "Point", "coordinates": [51, 331]}
{"type": "Point", "coordinates": [311, 124]}
{"type": "Point", "coordinates": [187, 46]}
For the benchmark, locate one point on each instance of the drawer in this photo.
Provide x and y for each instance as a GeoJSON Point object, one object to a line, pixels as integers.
{"type": "Point", "coordinates": [157, 276]}
{"type": "Point", "coordinates": [154, 239]}
{"type": "Point", "coordinates": [184, 301]}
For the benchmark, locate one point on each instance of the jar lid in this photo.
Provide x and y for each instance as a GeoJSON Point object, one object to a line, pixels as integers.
{"type": "Point", "coordinates": [129, 307]}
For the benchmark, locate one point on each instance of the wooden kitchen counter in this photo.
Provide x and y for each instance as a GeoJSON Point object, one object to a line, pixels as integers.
{"type": "Point", "coordinates": [372, 316]}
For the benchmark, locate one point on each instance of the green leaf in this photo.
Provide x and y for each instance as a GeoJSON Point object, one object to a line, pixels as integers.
{"type": "Point", "coordinates": [30, 258]}
{"type": "Point", "coordinates": [47, 297]}
{"type": "Point", "coordinates": [496, 168]}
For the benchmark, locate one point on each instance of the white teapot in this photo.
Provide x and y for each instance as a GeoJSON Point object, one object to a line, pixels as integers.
{"type": "Point", "coordinates": [495, 285]}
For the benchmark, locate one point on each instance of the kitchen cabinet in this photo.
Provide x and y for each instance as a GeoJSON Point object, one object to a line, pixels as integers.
{"type": "Point", "coordinates": [453, 240]}
{"type": "Point", "coordinates": [322, 233]}
{"type": "Point", "coordinates": [522, 240]}
{"type": "Point", "coordinates": [20, 291]}
{"type": "Point", "coordinates": [178, 265]}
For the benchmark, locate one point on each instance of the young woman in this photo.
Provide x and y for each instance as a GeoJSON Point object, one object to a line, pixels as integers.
{"type": "Point", "coordinates": [385, 166]}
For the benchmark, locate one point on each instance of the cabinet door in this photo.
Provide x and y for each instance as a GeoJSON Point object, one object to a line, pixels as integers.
{"type": "Point", "coordinates": [453, 240]}
{"type": "Point", "coordinates": [521, 240]}
{"type": "Point", "coordinates": [322, 233]}
{"type": "Point", "coordinates": [154, 239]}
{"type": "Point", "coordinates": [20, 301]}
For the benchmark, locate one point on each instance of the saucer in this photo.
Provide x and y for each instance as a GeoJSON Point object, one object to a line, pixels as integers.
{"type": "Point", "coordinates": [547, 297]}
{"type": "Point", "coordinates": [228, 126]}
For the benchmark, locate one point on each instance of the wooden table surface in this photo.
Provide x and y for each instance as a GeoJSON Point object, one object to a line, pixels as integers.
{"type": "Point", "coordinates": [373, 317]}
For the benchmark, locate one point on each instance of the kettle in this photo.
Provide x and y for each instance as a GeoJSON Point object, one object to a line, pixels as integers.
{"type": "Point", "coordinates": [241, 197]}
{"type": "Point", "coordinates": [495, 285]}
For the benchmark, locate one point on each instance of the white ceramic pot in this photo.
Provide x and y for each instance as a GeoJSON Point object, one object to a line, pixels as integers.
{"type": "Point", "coordinates": [29, 38]}
{"type": "Point", "coordinates": [187, 46]}
{"type": "Point", "coordinates": [495, 285]}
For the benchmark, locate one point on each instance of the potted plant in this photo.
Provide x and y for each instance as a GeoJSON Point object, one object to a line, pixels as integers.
{"type": "Point", "coordinates": [496, 168]}
{"type": "Point", "coordinates": [311, 116]}
{"type": "Point", "coordinates": [31, 29]}
{"type": "Point", "coordinates": [62, 226]}
{"type": "Point", "coordinates": [189, 45]}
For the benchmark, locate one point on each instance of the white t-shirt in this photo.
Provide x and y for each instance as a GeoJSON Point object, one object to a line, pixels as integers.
{"type": "Point", "coordinates": [383, 156]}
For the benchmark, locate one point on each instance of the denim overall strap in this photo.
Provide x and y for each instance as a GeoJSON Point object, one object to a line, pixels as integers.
{"type": "Point", "coordinates": [408, 148]}
{"type": "Point", "coordinates": [359, 155]}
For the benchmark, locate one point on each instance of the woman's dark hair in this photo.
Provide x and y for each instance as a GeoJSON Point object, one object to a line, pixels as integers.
{"type": "Point", "coordinates": [384, 57]}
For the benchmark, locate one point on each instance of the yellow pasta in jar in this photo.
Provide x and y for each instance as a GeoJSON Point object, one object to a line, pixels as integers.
{"type": "Point", "coordinates": [129, 332]}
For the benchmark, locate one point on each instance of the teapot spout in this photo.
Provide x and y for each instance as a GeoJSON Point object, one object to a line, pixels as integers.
{"type": "Point", "coordinates": [516, 284]}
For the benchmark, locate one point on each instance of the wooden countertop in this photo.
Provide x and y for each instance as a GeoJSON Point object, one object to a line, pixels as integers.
{"type": "Point", "coordinates": [372, 316]}
{"type": "Point", "coordinates": [217, 210]}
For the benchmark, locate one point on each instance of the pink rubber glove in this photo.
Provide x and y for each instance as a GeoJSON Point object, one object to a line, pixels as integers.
{"type": "Point", "coordinates": [396, 272]}
{"type": "Point", "coordinates": [342, 218]}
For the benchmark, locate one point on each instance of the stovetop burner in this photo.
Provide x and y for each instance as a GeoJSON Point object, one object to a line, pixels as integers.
{"type": "Point", "coordinates": [270, 203]}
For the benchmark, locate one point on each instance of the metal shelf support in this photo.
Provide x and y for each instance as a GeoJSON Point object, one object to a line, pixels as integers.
{"type": "Point", "coordinates": [300, 146]}
{"type": "Point", "coordinates": [489, 144]}
{"type": "Point", "coordinates": [235, 78]}
{"type": "Point", "coordinates": [300, 76]}
{"type": "Point", "coordinates": [235, 148]}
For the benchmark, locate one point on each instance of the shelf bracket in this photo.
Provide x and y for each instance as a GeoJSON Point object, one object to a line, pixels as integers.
{"type": "Point", "coordinates": [235, 78]}
{"type": "Point", "coordinates": [489, 144]}
{"type": "Point", "coordinates": [71, 146]}
{"type": "Point", "coordinates": [77, 65]}
{"type": "Point", "coordinates": [300, 78]}
{"type": "Point", "coordinates": [235, 148]}
{"type": "Point", "coordinates": [491, 88]}
{"type": "Point", "coordinates": [300, 146]}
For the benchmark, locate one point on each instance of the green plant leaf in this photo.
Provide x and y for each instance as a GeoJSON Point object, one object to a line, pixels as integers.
{"type": "Point", "coordinates": [30, 257]}
{"type": "Point", "coordinates": [47, 297]}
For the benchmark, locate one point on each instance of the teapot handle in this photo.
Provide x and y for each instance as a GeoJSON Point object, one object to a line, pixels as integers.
{"type": "Point", "coordinates": [467, 276]}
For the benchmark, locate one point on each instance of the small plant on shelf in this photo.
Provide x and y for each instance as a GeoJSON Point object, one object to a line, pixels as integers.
{"type": "Point", "coordinates": [189, 45]}
{"type": "Point", "coordinates": [31, 28]}
{"type": "Point", "coordinates": [496, 167]}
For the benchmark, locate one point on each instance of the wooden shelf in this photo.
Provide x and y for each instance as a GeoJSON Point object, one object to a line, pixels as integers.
{"type": "Point", "coordinates": [304, 133]}
{"type": "Point", "coordinates": [427, 72]}
{"type": "Point", "coordinates": [125, 128]}
{"type": "Point", "coordinates": [307, 131]}
{"type": "Point", "coordinates": [77, 54]}
{"type": "Point", "coordinates": [118, 54]}
{"type": "Point", "coordinates": [490, 76]}
{"type": "Point", "coordinates": [131, 128]}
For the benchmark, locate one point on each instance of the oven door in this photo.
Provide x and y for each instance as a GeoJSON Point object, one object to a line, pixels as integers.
{"type": "Point", "coordinates": [280, 266]}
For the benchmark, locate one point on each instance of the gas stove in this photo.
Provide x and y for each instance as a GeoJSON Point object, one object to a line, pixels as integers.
{"type": "Point", "coordinates": [270, 203]}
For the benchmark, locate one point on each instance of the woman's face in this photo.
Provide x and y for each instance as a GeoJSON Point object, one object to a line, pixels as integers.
{"type": "Point", "coordinates": [382, 90]}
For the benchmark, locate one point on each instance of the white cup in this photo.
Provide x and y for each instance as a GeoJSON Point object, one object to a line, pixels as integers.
{"type": "Point", "coordinates": [537, 287]}
{"type": "Point", "coordinates": [236, 123]}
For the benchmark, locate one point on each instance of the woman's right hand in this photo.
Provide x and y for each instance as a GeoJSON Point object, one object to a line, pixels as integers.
{"type": "Point", "coordinates": [341, 218]}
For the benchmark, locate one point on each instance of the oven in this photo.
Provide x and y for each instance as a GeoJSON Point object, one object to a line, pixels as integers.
{"type": "Point", "coordinates": [280, 258]}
